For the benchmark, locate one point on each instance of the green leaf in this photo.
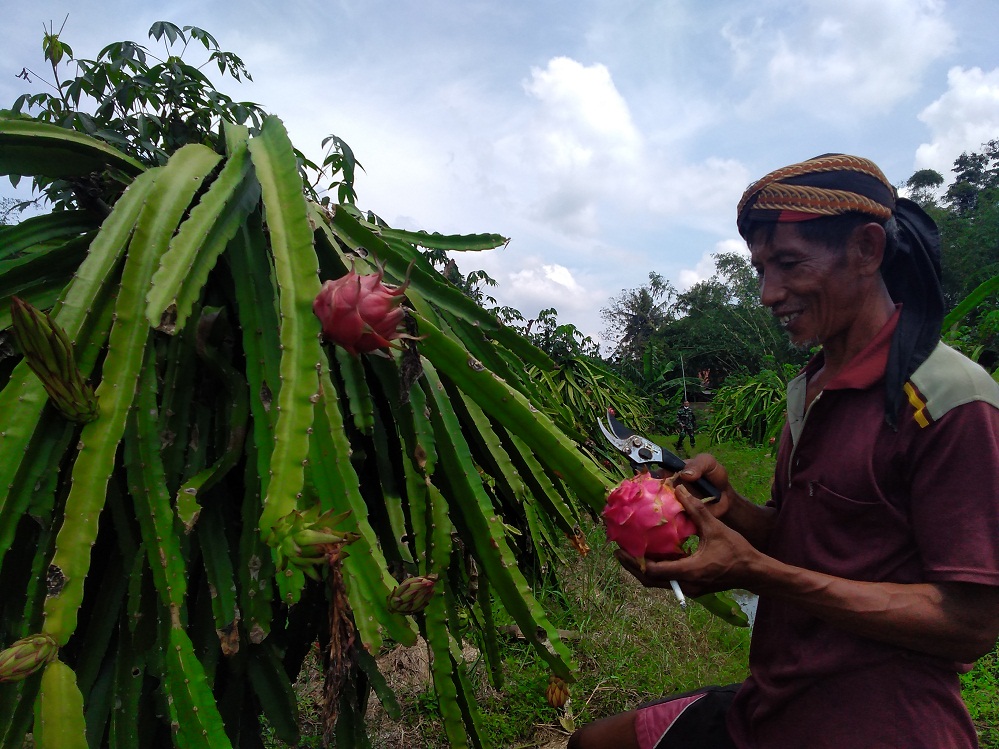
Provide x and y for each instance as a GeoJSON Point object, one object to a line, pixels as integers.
{"type": "Point", "coordinates": [199, 723]}
{"type": "Point", "coordinates": [161, 28]}
{"type": "Point", "coordinates": [982, 292]}
{"type": "Point", "coordinates": [37, 231]}
{"type": "Point", "coordinates": [22, 399]}
{"type": "Point", "coordinates": [486, 529]}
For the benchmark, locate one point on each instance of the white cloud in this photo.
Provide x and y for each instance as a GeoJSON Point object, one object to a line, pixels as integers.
{"type": "Point", "coordinates": [582, 114]}
{"type": "Point", "coordinates": [542, 282]}
{"type": "Point", "coordinates": [577, 146]}
{"type": "Point", "coordinates": [962, 119]}
{"type": "Point", "coordinates": [848, 59]}
{"type": "Point", "coordinates": [530, 283]}
{"type": "Point", "coordinates": [538, 285]}
{"type": "Point", "coordinates": [705, 267]}
{"type": "Point", "coordinates": [699, 194]}
{"type": "Point", "coordinates": [578, 156]}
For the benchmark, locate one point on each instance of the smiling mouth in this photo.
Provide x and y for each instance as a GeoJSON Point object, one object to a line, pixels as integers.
{"type": "Point", "coordinates": [787, 319]}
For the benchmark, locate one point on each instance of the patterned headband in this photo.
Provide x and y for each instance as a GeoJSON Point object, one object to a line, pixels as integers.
{"type": "Point", "coordinates": [828, 185]}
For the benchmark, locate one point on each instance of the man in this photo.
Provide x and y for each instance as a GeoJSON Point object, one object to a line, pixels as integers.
{"type": "Point", "coordinates": [686, 424]}
{"type": "Point", "coordinates": [877, 558]}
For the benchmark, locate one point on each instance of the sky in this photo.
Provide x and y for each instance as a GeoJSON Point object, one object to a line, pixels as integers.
{"type": "Point", "coordinates": [606, 139]}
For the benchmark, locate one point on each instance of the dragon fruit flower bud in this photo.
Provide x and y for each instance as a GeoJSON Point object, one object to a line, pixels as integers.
{"type": "Point", "coordinates": [412, 595]}
{"type": "Point", "coordinates": [359, 312]}
{"type": "Point", "coordinates": [49, 354]}
{"type": "Point", "coordinates": [26, 656]}
{"type": "Point", "coordinates": [557, 692]}
{"type": "Point", "coordinates": [644, 517]}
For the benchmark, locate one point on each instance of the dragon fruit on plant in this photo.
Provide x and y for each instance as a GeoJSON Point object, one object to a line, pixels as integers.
{"type": "Point", "coordinates": [359, 312]}
{"type": "Point", "coordinates": [557, 692]}
{"type": "Point", "coordinates": [412, 595]}
{"type": "Point", "coordinates": [644, 517]}
{"type": "Point", "coordinates": [26, 656]}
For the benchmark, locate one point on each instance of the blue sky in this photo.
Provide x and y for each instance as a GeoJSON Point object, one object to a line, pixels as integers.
{"type": "Point", "coordinates": [605, 139]}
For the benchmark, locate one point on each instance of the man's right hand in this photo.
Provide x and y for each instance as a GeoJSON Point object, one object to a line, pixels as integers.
{"type": "Point", "coordinates": [707, 466]}
{"type": "Point", "coordinates": [751, 520]}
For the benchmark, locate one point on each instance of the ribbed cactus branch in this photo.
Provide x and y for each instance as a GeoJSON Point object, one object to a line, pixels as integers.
{"type": "Point", "coordinates": [296, 274]}
{"type": "Point", "coordinates": [165, 204]}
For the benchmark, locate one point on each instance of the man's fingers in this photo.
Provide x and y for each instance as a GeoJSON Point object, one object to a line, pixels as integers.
{"type": "Point", "coordinates": [694, 507]}
{"type": "Point", "coordinates": [649, 574]}
{"type": "Point", "coordinates": [626, 560]}
{"type": "Point", "coordinates": [704, 465]}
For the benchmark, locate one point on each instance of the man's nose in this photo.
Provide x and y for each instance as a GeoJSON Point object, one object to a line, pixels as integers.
{"type": "Point", "coordinates": [771, 290]}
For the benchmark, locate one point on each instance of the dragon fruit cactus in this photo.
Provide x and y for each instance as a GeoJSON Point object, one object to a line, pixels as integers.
{"type": "Point", "coordinates": [359, 312]}
{"type": "Point", "coordinates": [644, 517]}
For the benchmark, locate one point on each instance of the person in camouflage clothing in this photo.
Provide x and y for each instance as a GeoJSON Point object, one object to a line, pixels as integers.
{"type": "Point", "coordinates": [686, 424]}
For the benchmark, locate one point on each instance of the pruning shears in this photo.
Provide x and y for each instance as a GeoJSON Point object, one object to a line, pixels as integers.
{"type": "Point", "coordinates": [641, 451]}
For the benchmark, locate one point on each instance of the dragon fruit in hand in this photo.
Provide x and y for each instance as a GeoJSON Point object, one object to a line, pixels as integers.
{"type": "Point", "coordinates": [644, 517]}
{"type": "Point", "coordinates": [359, 312]}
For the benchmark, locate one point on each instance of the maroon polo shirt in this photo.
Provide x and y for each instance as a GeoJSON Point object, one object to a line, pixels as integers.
{"type": "Point", "coordinates": [859, 500]}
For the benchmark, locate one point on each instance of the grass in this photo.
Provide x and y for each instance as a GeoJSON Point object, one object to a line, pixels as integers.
{"type": "Point", "coordinates": [631, 645]}
{"type": "Point", "coordinates": [980, 688]}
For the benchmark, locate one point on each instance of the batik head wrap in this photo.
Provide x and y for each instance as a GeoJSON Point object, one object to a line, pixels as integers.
{"type": "Point", "coordinates": [835, 185]}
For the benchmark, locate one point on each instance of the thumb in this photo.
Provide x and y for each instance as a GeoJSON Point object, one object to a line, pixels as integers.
{"type": "Point", "coordinates": [694, 507]}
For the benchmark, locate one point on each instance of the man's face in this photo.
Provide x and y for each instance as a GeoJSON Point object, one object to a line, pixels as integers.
{"type": "Point", "coordinates": [810, 288]}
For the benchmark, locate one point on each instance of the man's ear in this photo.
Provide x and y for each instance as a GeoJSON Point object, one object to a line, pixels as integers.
{"type": "Point", "coordinates": [868, 242]}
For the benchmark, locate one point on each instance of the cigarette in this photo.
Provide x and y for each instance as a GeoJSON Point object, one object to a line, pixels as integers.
{"type": "Point", "coordinates": [678, 593]}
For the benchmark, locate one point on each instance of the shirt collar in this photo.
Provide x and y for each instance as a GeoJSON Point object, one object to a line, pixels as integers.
{"type": "Point", "coordinates": [867, 368]}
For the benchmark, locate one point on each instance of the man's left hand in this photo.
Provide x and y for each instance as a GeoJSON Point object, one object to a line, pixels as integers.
{"type": "Point", "coordinates": [723, 558]}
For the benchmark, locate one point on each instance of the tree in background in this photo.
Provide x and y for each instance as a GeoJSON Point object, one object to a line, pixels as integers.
{"type": "Point", "coordinates": [635, 316]}
{"type": "Point", "coordinates": [718, 326]}
{"type": "Point", "coordinates": [923, 186]}
{"type": "Point", "coordinates": [148, 106]}
{"type": "Point", "coordinates": [968, 217]}
{"type": "Point", "coordinates": [560, 341]}
{"type": "Point", "coordinates": [724, 326]}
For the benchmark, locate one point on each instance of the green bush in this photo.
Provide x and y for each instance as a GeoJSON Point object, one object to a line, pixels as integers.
{"type": "Point", "coordinates": [752, 410]}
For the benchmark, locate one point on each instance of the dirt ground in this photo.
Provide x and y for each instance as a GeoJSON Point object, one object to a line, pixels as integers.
{"type": "Point", "coordinates": [407, 671]}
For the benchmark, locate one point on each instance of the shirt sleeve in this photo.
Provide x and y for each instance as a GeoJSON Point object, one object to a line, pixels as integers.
{"type": "Point", "coordinates": [955, 495]}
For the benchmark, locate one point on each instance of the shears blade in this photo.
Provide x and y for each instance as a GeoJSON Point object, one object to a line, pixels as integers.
{"type": "Point", "coordinates": [628, 441]}
{"type": "Point", "coordinates": [641, 450]}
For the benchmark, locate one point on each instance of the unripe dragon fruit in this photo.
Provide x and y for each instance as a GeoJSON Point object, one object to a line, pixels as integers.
{"type": "Point", "coordinates": [49, 353]}
{"type": "Point", "coordinates": [557, 692]}
{"type": "Point", "coordinates": [412, 595]}
{"type": "Point", "coordinates": [26, 656]}
{"type": "Point", "coordinates": [359, 312]}
{"type": "Point", "coordinates": [644, 517]}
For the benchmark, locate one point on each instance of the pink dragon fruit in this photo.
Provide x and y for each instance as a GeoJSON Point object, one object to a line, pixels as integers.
{"type": "Point", "coordinates": [644, 517]}
{"type": "Point", "coordinates": [359, 312]}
